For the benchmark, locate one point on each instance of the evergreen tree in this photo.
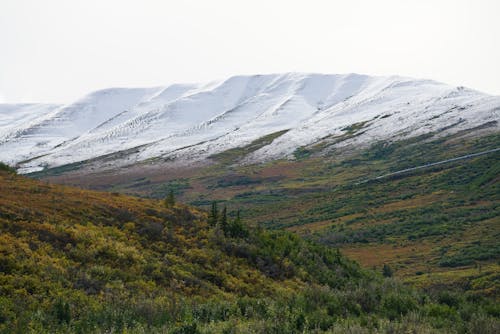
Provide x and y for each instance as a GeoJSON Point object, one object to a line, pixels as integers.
{"type": "Point", "coordinates": [170, 199]}
{"type": "Point", "coordinates": [387, 271]}
{"type": "Point", "coordinates": [223, 222]}
{"type": "Point", "coordinates": [213, 216]}
{"type": "Point", "coordinates": [62, 312]}
{"type": "Point", "coordinates": [236, 228]}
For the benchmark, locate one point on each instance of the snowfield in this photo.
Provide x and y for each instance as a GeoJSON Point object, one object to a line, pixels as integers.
{"type": "Point", "coordinates": [189, 122]}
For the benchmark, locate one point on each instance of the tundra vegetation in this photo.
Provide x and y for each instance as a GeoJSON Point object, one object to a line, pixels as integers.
{"type": "Point", "coordinates": [79, 261]}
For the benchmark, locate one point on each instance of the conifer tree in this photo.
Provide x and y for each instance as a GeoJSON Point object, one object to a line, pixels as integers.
{"type": "Point", "coordinates": [387, 271]}
{"type": "Point", "coordinates": [170, 199]}
{"type": "Point", "coordinates": [223, 221]}
{"type": "Point", "coordinates": [213, 216]}
{"type": "Point", "coordinates": [236, 228]}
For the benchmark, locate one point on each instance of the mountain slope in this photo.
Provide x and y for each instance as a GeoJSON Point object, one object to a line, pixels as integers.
{"type": "Point", "coordinates": [89, 262]}
{"type": "Point", "coordinates": [435, 225]}
{"type": "Point", "coordinates": [186, 123]}
{"type": "Point", "coordinates": [15, 117]}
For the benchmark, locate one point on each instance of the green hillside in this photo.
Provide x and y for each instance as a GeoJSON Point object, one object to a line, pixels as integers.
{"type": "Point", "coordinates": [434, 226]}
{"type": "Point", "coordinates": [91, 262]}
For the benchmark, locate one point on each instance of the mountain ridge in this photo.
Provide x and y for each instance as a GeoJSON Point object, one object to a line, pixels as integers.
{"type": "Point", "coordinates": [183, 123]}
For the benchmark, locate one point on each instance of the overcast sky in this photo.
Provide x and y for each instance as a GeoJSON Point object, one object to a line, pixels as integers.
{"type": "Point", "coordinates": [59, 50]}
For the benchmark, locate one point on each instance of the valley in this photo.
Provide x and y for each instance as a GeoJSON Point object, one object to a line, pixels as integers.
{"type": "Point", "coordinates": [83, 261]}
{"type": "Point", "coordinates": [433, 226]}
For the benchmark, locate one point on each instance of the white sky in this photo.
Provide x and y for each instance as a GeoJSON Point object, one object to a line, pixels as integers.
{"type": "Point", "coordinates": [59, 50]}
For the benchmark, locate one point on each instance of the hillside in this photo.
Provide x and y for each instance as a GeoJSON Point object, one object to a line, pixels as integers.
{"type": "Point", "coordinates": [434, 226]}
{"type": "Point", "coordinates": [182, 124]}
{"type": "Point", "coordinates": [81, 261]}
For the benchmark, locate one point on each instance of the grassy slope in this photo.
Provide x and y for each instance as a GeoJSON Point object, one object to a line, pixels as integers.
{"type": "Point", "coordinates": [433, 226]}
{"type": "Point", "coordinates": [88, 260]}
{"type": "Point", "coordinates": [82, 261]}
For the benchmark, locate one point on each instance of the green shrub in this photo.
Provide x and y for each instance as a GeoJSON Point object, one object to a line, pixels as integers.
{"type": "Point", "coordinates": [396, 304]}
{"type": "Point", "coordinates": [6, 168]}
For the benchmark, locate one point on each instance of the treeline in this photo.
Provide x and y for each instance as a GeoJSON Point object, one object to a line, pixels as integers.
{"type": "Point", "coordinates": [233, 228]}
{"type": "Point", "coordinates": [218, 218]}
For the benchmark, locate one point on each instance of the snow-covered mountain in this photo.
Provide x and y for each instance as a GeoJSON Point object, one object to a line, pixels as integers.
{"type": "Point", "coordinates": [187, 122]}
